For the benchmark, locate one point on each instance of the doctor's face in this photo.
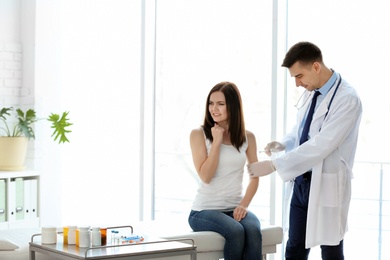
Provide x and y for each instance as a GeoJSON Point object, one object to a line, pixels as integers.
{"type": "Point", "coordinates": [306, 76]}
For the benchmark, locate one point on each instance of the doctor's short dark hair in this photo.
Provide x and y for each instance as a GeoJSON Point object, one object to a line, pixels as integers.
{"type": "Point", "coordinates": [305, 52]}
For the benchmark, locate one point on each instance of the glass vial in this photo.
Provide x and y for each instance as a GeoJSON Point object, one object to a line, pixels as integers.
{"type": "Point", "coordinates": [114, 237]}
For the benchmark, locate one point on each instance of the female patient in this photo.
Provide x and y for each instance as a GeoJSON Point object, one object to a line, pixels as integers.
{"type": "Point", "coordinates": [220, 149]}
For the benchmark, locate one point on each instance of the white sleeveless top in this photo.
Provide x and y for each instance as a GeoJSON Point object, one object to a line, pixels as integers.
{"type": "Point", "coordinates": [224, 192]}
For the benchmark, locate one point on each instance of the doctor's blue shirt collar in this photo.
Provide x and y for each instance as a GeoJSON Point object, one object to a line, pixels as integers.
{"type": "Point", "coordinates": [329, 84]}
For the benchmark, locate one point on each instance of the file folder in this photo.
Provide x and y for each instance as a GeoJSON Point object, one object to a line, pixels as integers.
{"type": "Point", "coordinates": [19, 199]}
{"type": "Point", "coordinates": [11, 201]}
{"type": "Point", "coordinates": [30, 198]}
{"type": "Point", "coordinates": [27, 195]}
{"type": "Point", "coordinates": [3, 211]}
{"type": "Point", "coordinates": [34, 198]}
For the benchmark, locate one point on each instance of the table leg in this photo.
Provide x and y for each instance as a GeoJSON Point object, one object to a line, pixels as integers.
{"type": "Point", "coordinates": [31, 254]}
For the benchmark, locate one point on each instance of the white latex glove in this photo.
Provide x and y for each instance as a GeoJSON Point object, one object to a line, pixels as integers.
{"type": "Point", "coordinates": [262, 168]}
{"type": "Point", "coordinates": [273, 147]}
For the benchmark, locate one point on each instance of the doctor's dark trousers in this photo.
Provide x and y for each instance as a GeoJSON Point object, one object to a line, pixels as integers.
{"type": "Point", "coordinates": [295, 248]}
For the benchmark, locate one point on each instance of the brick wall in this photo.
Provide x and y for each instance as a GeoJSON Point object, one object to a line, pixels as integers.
{"type": "Point", "coordinates": [12, 91]}
{"type": "Point", "coordinates": [10, 74]}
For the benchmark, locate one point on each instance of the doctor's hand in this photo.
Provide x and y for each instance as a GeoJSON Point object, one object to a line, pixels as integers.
{"type": "Point", "coordinates": [262, 168]}
{"type": "Point", "coordinates": [273, 147]}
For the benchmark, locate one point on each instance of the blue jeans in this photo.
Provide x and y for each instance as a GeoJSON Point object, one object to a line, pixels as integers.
{"type": "Point", "coordinates": [243, 239]}
{"type": "Point", "coordinates": [295, 248]}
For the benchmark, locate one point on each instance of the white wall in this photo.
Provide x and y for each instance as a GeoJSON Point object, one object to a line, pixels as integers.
{"type": "Point", "coordinates": [103, 156]}
{"type": "Point", "coordinates": [17, 60]}
{"type": "Point", "coordinates": [10, 53]}
{"type": "Point", "coordinates": [89, 65]}
{"type": "Point", "coordinates": [17, 88]}
{"type": "Point", "coordinates": [47, 93]}
{"type": "Point", "coordinates": [10, 21]}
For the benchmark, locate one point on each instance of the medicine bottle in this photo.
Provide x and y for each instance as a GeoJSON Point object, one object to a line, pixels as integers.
{"type": "Point", "coordinates": [72, 235]}
{"type": "Point", "coordinates": [103, 232]}
{"type": "Point", "coordinates": [49, 235]}
{"type": "Point", "coordinates": [96, 236]}
{"type": "Point", "coordinates": [84, 236]}
{"type": "Point", "coordinates": [65, 233]}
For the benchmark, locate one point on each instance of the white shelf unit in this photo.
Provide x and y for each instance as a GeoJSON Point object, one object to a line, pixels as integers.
{"type": "Point", "coordinates": [19, 199]}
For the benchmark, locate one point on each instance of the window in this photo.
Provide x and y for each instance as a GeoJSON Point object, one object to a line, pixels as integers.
{"type": "Point", "coordinates": [200, 44]}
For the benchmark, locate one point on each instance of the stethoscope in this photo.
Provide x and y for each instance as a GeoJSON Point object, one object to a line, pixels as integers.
{"type": "Point", "coordinates": [334, 94]}
{"type": "Point", "coordinates": [330, 102]}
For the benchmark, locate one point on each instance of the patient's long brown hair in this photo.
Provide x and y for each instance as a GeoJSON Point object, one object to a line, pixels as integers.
{"type": "Point", "coordinates": [235, 114]}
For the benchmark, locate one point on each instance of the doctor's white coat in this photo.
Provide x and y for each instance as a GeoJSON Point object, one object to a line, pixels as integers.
{"type": "Point", "coordinates": [330, 154]}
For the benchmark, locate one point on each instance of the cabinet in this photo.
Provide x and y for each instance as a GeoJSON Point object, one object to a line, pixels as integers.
{"type": "Point", "coordinates": [19, 199]}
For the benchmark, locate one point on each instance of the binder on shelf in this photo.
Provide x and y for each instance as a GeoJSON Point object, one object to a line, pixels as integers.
{"type": "Point", "coordinates": [34, 198]}
{"type": "Point", "coordinates": [27, 195]}
{"type": "Point", "coordinates": [19, 199]}
{"type": "Point", "coordinates": [30, 198]}
{"type": "Point", "coordinates": [3, 197]}
{"type": "Point", "coordinates": [11, 201]}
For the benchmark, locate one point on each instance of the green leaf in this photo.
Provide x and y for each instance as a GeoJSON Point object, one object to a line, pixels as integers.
{"type": "Point", "coordinates": [5, 111]}
{"type": "Point", "coordinates": [25, 122]}
{"type": "Point", "coordinates": [60, 125]}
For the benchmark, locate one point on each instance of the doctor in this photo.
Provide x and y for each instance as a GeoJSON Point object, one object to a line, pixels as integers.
{"type": "Point", "coordinates": [321, 167]}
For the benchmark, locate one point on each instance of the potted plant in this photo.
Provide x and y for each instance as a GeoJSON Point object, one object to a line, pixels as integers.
{"type": "Point", "coordinates": [16, 128]}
